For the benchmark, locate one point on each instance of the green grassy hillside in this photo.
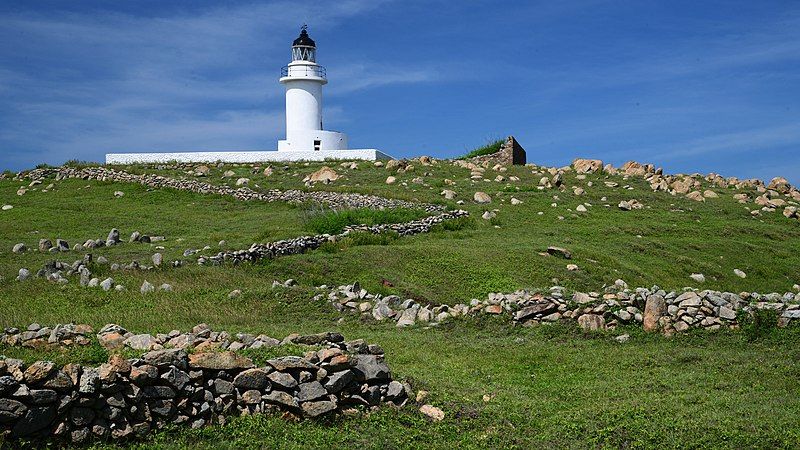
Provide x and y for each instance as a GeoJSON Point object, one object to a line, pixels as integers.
{"type": "Point", "coordinates": [544, 387]}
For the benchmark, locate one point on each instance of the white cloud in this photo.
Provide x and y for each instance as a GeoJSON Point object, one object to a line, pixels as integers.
{"type": "Point", "coordinates": [117, 82]}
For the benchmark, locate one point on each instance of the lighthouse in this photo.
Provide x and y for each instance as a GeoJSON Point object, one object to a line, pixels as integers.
{"type": "Point", "coordinates": [303, 79]}
{"type": "Point", "coordinates": [306, 140]}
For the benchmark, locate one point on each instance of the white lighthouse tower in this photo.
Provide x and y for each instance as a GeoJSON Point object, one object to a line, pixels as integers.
{"type": "Point", "coordinates": [303, 79]}
{"type": "Point", "coordinates": [305, 139]}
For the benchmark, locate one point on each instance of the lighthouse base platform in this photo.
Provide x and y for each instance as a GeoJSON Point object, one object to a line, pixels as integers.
{"type": "Point", "coordinates": [245, 156]}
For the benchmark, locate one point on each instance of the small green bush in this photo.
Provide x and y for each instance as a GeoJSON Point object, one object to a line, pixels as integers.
{"type": "Point", "coordinates": [758, 324]}
{"type": "Point", "coordinates": [461, 223]}
{"type": "Point", "coordinates": [328, 221]}
{"type": "Point", "coordinates": [491, 147]}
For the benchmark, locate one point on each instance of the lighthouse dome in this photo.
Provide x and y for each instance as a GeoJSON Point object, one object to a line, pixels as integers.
{"type": "Point", "coordinates": [303, 40]}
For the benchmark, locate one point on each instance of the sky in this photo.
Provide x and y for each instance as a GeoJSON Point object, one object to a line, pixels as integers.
{"type": "Point", "coordinates": [709, 86]}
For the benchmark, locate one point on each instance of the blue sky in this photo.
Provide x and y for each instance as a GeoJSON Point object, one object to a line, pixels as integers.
{"type": "Point", "coordinates": [692, 86]}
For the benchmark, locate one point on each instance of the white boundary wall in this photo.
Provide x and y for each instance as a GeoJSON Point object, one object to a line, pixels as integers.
{"type": "Point", "coordinates": [244, 156]}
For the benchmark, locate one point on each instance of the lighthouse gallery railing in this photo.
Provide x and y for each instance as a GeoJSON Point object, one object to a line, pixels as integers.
{"type": "Point", "coordinates": [303, 71]}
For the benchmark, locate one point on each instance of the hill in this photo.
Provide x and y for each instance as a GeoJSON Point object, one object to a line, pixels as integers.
{"type": "Point", "coordinates": [499, 384]}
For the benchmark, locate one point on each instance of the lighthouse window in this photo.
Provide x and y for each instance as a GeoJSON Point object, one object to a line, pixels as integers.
{"type": "Point", "coordinates": [317, 144]}
{"type": "Point", "coordinates": [303, 54]}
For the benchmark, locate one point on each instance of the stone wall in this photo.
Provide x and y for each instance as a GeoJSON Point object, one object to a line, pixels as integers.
{"type": "Point", "coordinates": [127, 398]}
{"type": "Point", "coordinates": [333, 199]}
{"type": "Point", "coordinates": [304, 243]}
{"type": "Point", "coordinates": [653, 308]}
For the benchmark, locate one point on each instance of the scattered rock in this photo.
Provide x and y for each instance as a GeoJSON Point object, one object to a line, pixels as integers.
{"type": "Point", "coordinates": [432, 412]}
{"type": "Point", "coordinates": [147, 287]}
{"type": "Point", "coordinates": [654, 309]}
{"type": "Point", "coordinates": [559, 251]}
{"type": "Point", "coordinates": [482, 197]}
{"type": "Point", "coordinates": [324, 175]}
{"type": "Point", "coordinates": [698, 277]}
{"type": "Point", "coordinates": [591, 322]}
{"type": "Point", "coordinates": [23, 274]}
{"type": "Point", "coordinates": [587, 165]}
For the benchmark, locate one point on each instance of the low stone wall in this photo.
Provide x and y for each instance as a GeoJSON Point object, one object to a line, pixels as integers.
{"type": "Point", "coordinates": [304, 243]}
{"type": "Point", "coordinates": [127, 398]}
{"type": "Point", "coordinates": [333, 199]}
{"type": "Point", "coordinates": [278, 248]}
{"type": "Point", "coordinates": [654, 308]}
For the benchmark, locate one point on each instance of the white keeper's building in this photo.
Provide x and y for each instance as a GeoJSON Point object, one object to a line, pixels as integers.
{"type": "Point", "coordinates": [306, 140]}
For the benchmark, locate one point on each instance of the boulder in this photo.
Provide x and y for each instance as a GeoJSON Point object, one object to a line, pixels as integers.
{"type": "Point", "coordinates": [147, 287]}
{"type": "Point", "coordinates": [559, 251]}
{"type": "Point", "coordinates": [323, 175]}
{"type": "Point", "coordinates": [541, 308]}
{"type": "Point", "coordinates": [482, 197]}
{"type": "Point", "coordinates": [113, 237]}
{"type": "Point", "coordinates": [780, 184]}
{"type": "Point", "coordinates": [166, 357]}
{"type": "Point", "coordinates": [39, 371]}
{"type": "Point", "coordinates": [432, 412]}
{"type": "Point", "coordinates": [696, 196]}
{"type": "Point", "coordinates": [316, 409]}
{"type": "Point", "coordinates": [252, 379]}
{"type": "Point", "coordinates": [370, 368]}
{"type": "Point", "coordinates": [45, 245]}
{"type": "Point", "coordinates": [280, 380]}
{"type": "Point", "coordinates": [654, 308]}
{"type": "Point", "coordinates": [23, 274]}
{"type": "Point", "coordinates": [34, 420]}
{"type": "Point", "coordinates": [587, 165]}
{"type": "Point", "coordinates": [312, 390]}
{"type": "Point", "coordinates": [591, 322]}
{"type": "Point", "coordinates": [141, 342]}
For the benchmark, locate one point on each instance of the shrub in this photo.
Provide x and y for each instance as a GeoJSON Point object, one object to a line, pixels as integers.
{"type": "Point", "coordinates": [461, 223]}
{"type": "Point", "coordinates": [491, 147]}
{"type": "Point", "coordinates": [758, 324]}
{"type": "Point", "coordinates": [328, 221]}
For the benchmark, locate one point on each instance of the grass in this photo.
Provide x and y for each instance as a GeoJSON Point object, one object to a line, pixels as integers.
{"type": "Point", "coordinates": [488, 149]}
{"type": "Point", "coordinates": [323, 220]}
{"type": "Point", "coordinates": [547, 386]}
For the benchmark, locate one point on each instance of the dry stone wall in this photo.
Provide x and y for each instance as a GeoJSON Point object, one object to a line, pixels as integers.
{"type": "Point", "coordinates": [333, 199]}
{"type": "Point", "coordinates": [128, 398]}
{"type": "Point", "coordinates": [278, 248]}
{"type": "Point", "coordinates": [304, 243]}
{"type": "Point", "coordinates": [653, 308]}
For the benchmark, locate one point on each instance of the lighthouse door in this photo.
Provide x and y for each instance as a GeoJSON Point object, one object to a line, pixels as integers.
{"type": "Point", "coordinates": [317, 144]}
